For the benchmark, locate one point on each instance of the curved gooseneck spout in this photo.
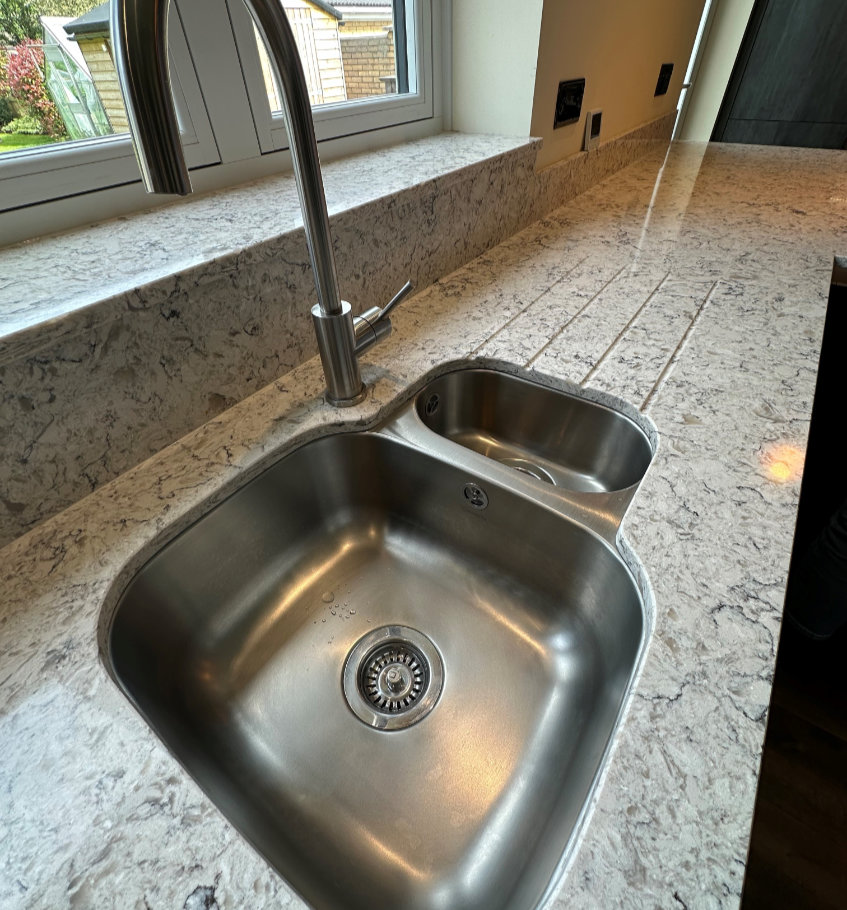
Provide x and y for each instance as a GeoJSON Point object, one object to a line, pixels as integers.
{"type": "Point", "coordinates": [140, 44]}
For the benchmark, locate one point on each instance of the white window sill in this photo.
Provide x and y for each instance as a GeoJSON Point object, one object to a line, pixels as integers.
{"type": "Point", "coordinates": [60, 284]}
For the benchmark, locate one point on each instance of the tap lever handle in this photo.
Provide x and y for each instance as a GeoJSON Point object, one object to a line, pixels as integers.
{"type": "Point", "coordinates": [400, 295]}
{"type": "Point", "coordinates": [374, 324]}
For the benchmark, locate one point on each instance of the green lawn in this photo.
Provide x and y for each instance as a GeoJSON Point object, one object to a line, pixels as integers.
{"type": "Point", "coordinates": [19, 141]}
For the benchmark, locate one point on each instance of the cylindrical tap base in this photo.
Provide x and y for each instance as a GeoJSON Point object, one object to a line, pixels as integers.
{"type": "Point", "coordinates": [336, 345]}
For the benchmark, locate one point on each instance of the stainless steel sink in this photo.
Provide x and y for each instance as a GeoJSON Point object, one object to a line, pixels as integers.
{"type": "Point", "coordinates": [397, 676]}
{"type": "Point", "coordinates": [555, 437]}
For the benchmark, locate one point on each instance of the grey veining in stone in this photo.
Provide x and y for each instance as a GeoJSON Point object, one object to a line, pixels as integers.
{"type": "Point", "coordinates": [161, 321]}
{"type": "Point", "coordinates": [53, 275]}
{"type": "Point", "coordinates": [726, 254]}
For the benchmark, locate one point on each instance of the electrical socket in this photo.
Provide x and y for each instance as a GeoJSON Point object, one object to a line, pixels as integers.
{"type": "Point", "coordinates": [593, 121]}
{"type": "Point", "coordinates": [664, 81]}
{"type": "Point", "coordinates": [569, 102]}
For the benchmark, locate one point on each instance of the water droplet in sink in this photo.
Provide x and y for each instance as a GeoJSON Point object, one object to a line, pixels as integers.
{"type": "Point", "coordinates": [328, 597]}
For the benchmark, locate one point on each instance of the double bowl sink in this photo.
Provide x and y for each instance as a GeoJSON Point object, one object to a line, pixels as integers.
{"type": "Point", "coordinates": [396, 659]}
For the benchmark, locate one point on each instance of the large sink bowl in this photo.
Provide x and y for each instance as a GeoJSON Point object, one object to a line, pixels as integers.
{"type": "Point", "coordinates": [567, 441]}
{"type": "Point", "coordinates": [397, 679]}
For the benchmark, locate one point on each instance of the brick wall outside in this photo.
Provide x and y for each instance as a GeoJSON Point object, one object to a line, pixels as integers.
{"type": "Point", "coordinates": [367, 55]}
{"type": "Point", "coordinates": [356, 26]}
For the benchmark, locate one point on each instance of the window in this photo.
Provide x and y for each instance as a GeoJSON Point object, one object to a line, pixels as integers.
{"type": "Point", "coordinates": [368, 66]}
{"type": "Point", "coordinates": [73, 103]}
{"type": "Point", "coordinates": [364, 63]}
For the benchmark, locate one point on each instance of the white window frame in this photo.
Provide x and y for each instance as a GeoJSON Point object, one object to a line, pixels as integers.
{"type": "Point", "coordinates": [229, 131]}
{"type": "Point", "coordinates": [48, 172]}
{"type": "Point", "coordinates": [350, 117]}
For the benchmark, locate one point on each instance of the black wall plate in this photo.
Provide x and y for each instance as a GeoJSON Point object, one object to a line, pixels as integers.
{"type": "Point", "coordinates": [569, 102]}
{"type": "Point", "coordinates": [664, 79]}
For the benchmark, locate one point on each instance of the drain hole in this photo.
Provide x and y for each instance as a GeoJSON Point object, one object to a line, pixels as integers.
{"type": "Point", "coordinates": [393, 677]}
{"type": "Point", "coordinates": [431, 405]}
{"type": "Point", "coordinates": [527, 467]}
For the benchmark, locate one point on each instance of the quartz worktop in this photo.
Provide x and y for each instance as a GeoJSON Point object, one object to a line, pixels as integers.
{"type": "Point", "coordinates": [692, 287]}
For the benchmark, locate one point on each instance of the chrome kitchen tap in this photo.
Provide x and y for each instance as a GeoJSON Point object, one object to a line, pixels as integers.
{"type": "Point", "coordinates": [140, 44]}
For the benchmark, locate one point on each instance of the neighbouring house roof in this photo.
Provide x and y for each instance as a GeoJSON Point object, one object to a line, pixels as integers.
{"type": "Point", "coordinates": [365, 9]}
{"type": "Point", "coordinates": [326, 7]}
{"type": "Point", "coordinates": [96, 21]}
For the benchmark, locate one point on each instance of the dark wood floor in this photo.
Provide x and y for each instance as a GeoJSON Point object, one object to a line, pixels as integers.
{"type": "Point", "coordinates": [798, 851]}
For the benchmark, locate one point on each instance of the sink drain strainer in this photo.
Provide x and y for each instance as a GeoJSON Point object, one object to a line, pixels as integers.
{"type": "Point", "coordinates": [528, 467]}
{"type": "Point", "coordinates": [393, 677]}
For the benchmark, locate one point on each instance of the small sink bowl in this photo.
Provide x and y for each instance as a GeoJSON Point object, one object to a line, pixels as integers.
{"type": "Point", "coordinates": [569, 442]}
{"type": "Point", "coordinates": [271, 647]}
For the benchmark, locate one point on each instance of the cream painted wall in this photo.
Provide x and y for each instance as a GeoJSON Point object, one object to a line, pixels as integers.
{"type": "Point", "coordinates": [720, 48]}
{"type": "Point", "coordinates": [495, 49]}
{"type": "Point", "coordinates": [618, 46]}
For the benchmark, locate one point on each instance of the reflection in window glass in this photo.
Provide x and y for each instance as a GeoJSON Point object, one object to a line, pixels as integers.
{"type": "Point", "coordinates": [348, 50]}
{"type": "Point", "coordinates": [57, 75]}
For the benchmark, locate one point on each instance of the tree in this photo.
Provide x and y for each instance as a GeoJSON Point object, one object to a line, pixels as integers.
{"type": "Point", "coordinates": [18, 21]}
{"type": "Point", "coordinates": [23, 81]}
{"type": "Point", "coordinates": [72, 8]}
{"type": "Point", "coordinates": [19, 18]}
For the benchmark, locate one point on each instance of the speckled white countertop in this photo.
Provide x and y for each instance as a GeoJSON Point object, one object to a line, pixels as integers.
{"type": "Point", "coordinates": [215, 230]}
{"type": "Point", "coordinates": [696, 290]}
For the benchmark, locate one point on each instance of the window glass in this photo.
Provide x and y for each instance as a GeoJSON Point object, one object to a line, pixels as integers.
{"type": "Point", "coordinates": [57, 77]}
{"type": "Point", "coordinates": [65, 153]}
{"type": "Point", "coordinates": [368, 66]}
{"type": "Point", "coordinates": [63, 126]}
{"type": "Point", "coordinates": [350, 51]}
